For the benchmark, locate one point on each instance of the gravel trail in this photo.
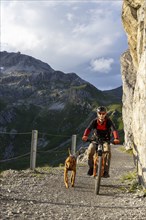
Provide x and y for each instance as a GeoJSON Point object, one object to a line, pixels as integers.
{"type": "Point", "coordinates": [43, 196]}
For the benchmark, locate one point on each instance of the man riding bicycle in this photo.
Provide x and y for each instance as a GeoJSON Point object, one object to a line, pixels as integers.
{"type": "Point", "coordinates": [102, 127]}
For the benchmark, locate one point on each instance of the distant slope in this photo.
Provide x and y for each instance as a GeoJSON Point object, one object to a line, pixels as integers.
{"type": "Point", "coordinates": [114, 94]}
{"type": "Point", "coordinates": [33, 96]}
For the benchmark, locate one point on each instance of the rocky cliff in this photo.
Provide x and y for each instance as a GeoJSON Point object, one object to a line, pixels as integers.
{"type": "Point", "coordinates": [133, 67]}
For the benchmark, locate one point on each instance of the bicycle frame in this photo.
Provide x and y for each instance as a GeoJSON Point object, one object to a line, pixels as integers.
{"type": "Point", "coordinates": [98, 161]}
{"type": "Point", "coordinates": [98, 154]}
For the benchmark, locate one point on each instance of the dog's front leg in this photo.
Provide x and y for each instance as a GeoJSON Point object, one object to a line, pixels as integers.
{"type": "Point", "coordinates": [73, 175]}
{"type": "Point", "coordinates": [66, 178]}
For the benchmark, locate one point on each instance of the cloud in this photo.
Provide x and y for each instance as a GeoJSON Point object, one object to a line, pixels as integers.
{"type": "Point", "coordinates": [65, 34]}
{"type": "Point", "coordinates": [102, 65]}
{"type": "Point", "coordinates": [69, 16]}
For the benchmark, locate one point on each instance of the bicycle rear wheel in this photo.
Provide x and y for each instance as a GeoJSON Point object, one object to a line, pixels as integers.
{"type": "Point", "coordinates": [98, 178]}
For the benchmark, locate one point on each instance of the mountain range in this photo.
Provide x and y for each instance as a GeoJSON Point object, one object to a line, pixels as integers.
{"type": "Point", "coordinates": [34, 96]}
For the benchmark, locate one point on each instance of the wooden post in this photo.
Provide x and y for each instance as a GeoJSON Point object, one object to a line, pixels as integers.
{"type": "Point", "coordinates": [33, 149]}
{"type": "Point", "coordinates": [73, 146]}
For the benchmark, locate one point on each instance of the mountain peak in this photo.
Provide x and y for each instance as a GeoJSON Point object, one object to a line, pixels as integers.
{"type": "Point", "coordinates": [11, 62]}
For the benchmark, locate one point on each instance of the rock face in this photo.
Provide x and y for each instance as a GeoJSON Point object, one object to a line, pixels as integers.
{"type": "Point", "coordinates": [133, 67]}
{"type": "Point", "coordinates": [129, 79]}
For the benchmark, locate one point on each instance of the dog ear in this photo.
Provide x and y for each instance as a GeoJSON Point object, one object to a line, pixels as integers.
{"type": "Point", "coordinates": [69, 151]}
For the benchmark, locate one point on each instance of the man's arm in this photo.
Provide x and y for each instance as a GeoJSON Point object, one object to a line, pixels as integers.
{"type": "Point", "coordinates": [88, 130]}
{"type": "Point", "coordinates": [115, 133]}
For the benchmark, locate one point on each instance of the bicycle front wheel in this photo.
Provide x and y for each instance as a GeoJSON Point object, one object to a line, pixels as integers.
{"type": "Point", "coordinates": [98, 178]}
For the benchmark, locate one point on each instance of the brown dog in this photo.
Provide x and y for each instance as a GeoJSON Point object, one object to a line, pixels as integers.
{"type": "Point", "coordinates": [70, 165]}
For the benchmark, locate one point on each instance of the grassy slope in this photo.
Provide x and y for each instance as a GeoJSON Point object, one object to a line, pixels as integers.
{"type": "Point", "coordinates": [54, 127]}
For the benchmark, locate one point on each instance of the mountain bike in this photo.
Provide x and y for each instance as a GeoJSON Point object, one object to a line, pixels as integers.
{"type": "Point", "coordinates": [100, 159]}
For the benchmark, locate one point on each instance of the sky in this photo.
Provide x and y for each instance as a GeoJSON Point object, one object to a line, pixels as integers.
{"type": "Point", "coordinates": [84, 37]}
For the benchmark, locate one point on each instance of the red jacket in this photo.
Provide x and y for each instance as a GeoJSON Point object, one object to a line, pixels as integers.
{"type": "Point", "coordinates": [103, 130]}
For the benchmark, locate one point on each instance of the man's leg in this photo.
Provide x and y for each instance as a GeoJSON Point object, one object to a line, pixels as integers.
{"type": "Point", "coordinates": [107, 159]}
{"type": "Point", "coordinates": [90, 153]}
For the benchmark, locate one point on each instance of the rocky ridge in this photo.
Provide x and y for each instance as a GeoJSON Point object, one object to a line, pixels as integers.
{"type": "Point", "coordinates": [25, 79]}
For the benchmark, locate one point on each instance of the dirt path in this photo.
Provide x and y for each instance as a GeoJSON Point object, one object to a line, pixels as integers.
{"type": "Point", "coordinates": [25, 195]}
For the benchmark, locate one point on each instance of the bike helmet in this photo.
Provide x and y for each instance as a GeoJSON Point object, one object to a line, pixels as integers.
{"type": "Point", "coordinates": [101, 109]}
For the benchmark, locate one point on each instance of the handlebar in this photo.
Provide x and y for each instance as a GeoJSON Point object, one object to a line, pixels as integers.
{"type": "Point", "coordinates": [97, 140]}
{"type": "Point", "coordinates": [99, 144]}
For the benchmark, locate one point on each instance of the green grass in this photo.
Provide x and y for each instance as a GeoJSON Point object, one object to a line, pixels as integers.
{"type": "Point", "coordinates": [129, 176]}
{"type": "Point", "coordinates": [131, 181]}
{"type": "Point", "coordinates": [19, 164]}
{"type": "Point", "coordinates": [122, 148]}
{"type": "Point", "coordinates": [79, 87]}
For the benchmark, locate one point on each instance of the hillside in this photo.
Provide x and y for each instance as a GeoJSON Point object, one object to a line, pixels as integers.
{"type": "Point", "coordinates": [115, 94]}
{"type": "Point", "coordinates": [33, 96]}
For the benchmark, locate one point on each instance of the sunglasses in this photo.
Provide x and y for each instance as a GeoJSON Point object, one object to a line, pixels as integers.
{"type": "Point", "coordinates": [102, 113]}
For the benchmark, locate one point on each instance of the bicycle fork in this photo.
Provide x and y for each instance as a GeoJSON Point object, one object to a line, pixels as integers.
{"type": "Point", "coordinates": [98, 157]}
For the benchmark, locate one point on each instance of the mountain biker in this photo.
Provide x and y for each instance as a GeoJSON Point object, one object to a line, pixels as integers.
{"type": "Point", "coordinates": [102, 127]}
